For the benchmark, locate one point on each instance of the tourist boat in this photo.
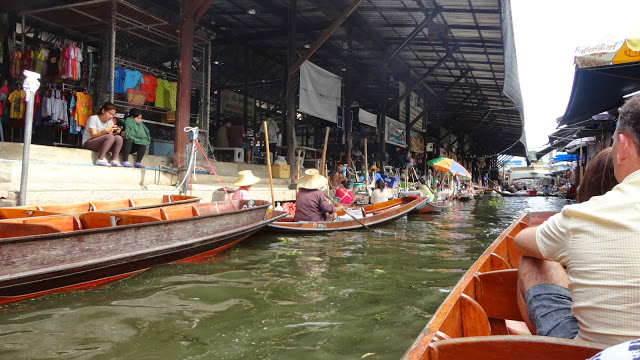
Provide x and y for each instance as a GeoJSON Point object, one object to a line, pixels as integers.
{"type": "Point", "coordinates": [480, 318]}
{"type": "Point", "coordinates": [371, 215]}
{"type": "Point", "coordinates": [44, 254]}
{"type": "Point", "coordinates": [111, 205]}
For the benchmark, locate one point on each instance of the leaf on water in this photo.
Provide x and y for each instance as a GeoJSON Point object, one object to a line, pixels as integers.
{"type": "Point", "coordinates": [379, 271]}
{"type": "Point", "coordinates": [366, 355]}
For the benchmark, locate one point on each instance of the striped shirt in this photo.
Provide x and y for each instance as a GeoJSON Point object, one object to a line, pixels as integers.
{"type": "Point", "coordinates": [599, 243]}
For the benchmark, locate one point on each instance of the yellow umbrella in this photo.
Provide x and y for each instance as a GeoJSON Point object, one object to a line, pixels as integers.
{"type": "Point", "coordinates": [608, 53]}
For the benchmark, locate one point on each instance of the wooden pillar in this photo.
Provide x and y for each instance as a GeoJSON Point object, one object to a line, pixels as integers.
{"type": "Point", "coordinates": [191, 12]}
{"type": "Point", "coordinates": [291, 85]}
{"type": "Point", "coordinates": [346, 110]}
{"type": "Point", "coordinates": [383, 120]}
{"type": "Point", "coordinates": [407, 119]}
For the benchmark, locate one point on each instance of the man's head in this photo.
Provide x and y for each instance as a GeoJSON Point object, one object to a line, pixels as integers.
{"type": "Point", "coordinates": [340, 167]}
{"type": "Point", "coordinates": [626, 145]}
{"type": "Point", "coordinates": [227, 123]}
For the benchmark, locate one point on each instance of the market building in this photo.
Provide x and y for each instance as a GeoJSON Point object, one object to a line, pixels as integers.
{"type": "Point", "coordinates": [426, 78]}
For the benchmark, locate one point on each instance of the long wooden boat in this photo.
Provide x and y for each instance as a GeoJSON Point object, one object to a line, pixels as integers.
{"type": "Point", "coordinates": [40, 255]}
{"type": "Point", "coordinates": [480, 318]}
{"type": "Point", "coordinates": [433, 207]}
{"type": "Point", "coordinates": [518, 194]}
{"type": "Point", "coordinates": [377, 214]}
{"type": "Point", "coordinates": [110, 205]}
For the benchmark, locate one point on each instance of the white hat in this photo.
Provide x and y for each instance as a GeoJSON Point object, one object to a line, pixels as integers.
{"type": "Point", "coordinates": [246, 178]}
{"type": "Point", "coordinates": [312, 180]}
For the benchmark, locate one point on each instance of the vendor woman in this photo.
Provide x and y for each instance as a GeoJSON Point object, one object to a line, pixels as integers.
{"type": "Point", "coordinates": [311, 203]}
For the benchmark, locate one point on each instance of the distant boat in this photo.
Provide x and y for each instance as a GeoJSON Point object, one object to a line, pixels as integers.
{"type": "Point", "coordinates": [480, 318]}
{"type": "Point", "coordinates": [370, 215]}
{"type": "Point", "coordinates": [45, 254]}
{"type": "Point", "coordinates": [519, 193]}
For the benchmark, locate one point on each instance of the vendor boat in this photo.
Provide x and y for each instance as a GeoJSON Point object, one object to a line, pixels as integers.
{"type": "Point", "coordinates": [518, 194]}
{"type": "Point", "coordinates": [480, 318]}
{"type": "Point", "coordinates": [369, 215]}
{"type": "Point", "coordinates": [111, 205]}
{"type": "Point", "coordinates": [45, 254]}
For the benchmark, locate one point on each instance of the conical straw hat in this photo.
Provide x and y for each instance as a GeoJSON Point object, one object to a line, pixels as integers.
{"type": "Point", "coordinates": [246, 178]}
{"type": "Point", "coordinates": [312, 180]}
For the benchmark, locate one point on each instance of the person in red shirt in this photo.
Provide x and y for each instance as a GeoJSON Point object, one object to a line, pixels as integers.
{"type": "Point", "coordinates": [345, 195]}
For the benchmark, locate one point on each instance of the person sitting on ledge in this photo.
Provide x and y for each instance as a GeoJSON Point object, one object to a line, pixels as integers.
{"type": "Point", "coordinates": [101, 135]}
{"type": "Point", "coordinates": [136, 138]}
{"type": "Point", "coordinates": [311, 203]}
{"type": "Point", "coordinates": [595, 298]}
{"type": "Point", "coordinates": [244, 181]}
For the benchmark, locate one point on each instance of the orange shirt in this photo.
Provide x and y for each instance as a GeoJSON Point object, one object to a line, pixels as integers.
{"type": "Point", "coordinates": [149, 85]}
{"type": "Point", "coordinates": [84, 108]}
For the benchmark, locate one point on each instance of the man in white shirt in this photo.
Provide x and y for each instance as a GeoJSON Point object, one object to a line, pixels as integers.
{"type": "Point", "coordinates": [598, 241]}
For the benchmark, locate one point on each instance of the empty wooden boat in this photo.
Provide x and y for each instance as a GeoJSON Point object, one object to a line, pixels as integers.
{"type": "Point", "coordinates": [40, 255]}
{"type": "Point", "coordinates": [371, 215]}
{"type": "Point", "coordinates": [110, 205]}
{"type": "Point", "coordinates": [480, 318]}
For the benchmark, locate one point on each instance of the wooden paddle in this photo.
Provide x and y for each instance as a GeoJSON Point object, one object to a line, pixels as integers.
{"type": "Point", "coordinates": [347, 212]}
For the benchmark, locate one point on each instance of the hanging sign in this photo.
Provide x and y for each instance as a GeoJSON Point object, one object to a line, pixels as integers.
{"type": "Point", "coordinates": [417, 142]}
{"type": "Point", "coordinates": [395, 132]}
{"type": "Point", "coordinates": [232, 103]}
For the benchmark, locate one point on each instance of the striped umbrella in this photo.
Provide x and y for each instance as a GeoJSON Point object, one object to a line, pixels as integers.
{"type": "Point", "coordinates": [449, 165]}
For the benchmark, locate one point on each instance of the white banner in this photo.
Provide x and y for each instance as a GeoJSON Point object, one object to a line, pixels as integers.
{"type": "Point", "coordinates": [320, 92]}
{"type": "Point", "coordinates": [368, 118]}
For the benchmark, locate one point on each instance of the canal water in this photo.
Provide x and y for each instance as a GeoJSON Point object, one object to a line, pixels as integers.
{"type": "Point", "coordinates": [337, 296]}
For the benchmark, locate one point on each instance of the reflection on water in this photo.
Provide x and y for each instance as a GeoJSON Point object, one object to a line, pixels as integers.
{"type": "Point", "coordinates": [340, 295]}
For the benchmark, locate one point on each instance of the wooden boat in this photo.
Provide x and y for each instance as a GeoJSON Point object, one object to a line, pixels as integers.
{"type": "Point", "coordinates": [111, 205]}
{"type": "Point", "coordinates": [432, 207]}
{"type": "Point", "coordinates": [517, 194]}
{"type": "Point", "coordinates": [465, 197]}
{"type": "Point", "coordinates": [377, 214]}
{"type": "Point", "coordinates": [480, 314]}
{"type": "Point", "coordinates": [40, 255]}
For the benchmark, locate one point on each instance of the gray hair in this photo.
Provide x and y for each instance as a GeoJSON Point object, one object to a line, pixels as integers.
{"type": "Point", "coordinates": [629, 120]}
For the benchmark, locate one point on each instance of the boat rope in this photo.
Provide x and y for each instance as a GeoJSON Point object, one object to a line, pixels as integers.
{"type": "Point", "coordinates": [216, 174]}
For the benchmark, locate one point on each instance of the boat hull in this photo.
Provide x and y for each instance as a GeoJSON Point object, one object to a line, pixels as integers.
{"type": "Point", "coordinates": [400, 207]}
{"type": "Point", "coordinates": [39, 264]}
{"type": "Point", "coordinates": [433, 207]}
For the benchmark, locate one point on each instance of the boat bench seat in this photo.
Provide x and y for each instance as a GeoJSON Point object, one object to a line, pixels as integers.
{"type": "Point", "coordinates": [8, 229]}
{"type": "Point", "coordinates": [98, 220]}
{"type": "Point", "coordinates": [178, 212]}
{"type": "Point", "coordinates": [110, 205]}
{"type": "Point", "coordinates": [22, 213]}
{"type": "Point", "coordinates": [62, 223]}
{"type": "Point", "coordinates": [522, 347]}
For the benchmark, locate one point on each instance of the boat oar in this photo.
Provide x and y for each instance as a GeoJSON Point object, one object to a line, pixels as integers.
{"type": "Point", "coordinates": [348, 213]}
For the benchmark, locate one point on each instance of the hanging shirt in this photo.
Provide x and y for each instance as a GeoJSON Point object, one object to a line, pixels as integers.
{"type": "Point", "coordinates": [173, 93]}
{"type": "Point", "coordinates": [163, 94]}
{"type": "Point", "coordinates": [53, 64]}
{"type": "Point", "coordinates": [149, 85]}
{"type": "Point", "coordinates": [27, 56]}
{"type": "Point", "coordinates": [14, 68]}
{"type": "Point", "coordinates": [118, 81]}
{"type": "Point", "coordinates": [132, 79]}
{"type": "Point", "coordinates": [16, 99]}
{"type": "Point", "coordinates": [4, 95]}
{"type": "Point", "coordinates": [84, 108]}
{"type": "Point", "coordinates": [41, 60]}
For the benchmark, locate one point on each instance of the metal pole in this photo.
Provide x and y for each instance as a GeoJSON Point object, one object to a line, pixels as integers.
{"type": "Point", "coordinates": [112, 75]}
{"type": "Point", "coordinates": [30, 86]}
{"type": "Point", "coordinates": [207, 98]}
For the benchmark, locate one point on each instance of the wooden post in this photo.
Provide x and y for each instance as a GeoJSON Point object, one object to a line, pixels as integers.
{"type": "Point", "coordinates": [324, 152]}
{"type": "Point", "coordinates": [298, 170]}
{"type": "Point", "coordinates": [266, 137]}
{"type": "Point", "coordinates": [366, 168]}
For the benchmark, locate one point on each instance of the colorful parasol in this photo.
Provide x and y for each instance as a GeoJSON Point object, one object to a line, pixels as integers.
{"type": "Point", "coordinates": [609, 53]}
{"type": "Point", "coordinates": [449, 165]}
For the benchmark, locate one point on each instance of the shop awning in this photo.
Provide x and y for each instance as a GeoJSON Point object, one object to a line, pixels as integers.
{"type": "Point", "coordinates": [599, 89]}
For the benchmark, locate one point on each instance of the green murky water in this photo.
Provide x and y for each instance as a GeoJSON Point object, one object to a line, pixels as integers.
{"type": "Point", "coordinates": [335, 296]}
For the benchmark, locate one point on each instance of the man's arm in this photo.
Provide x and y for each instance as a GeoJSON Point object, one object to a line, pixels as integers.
{"type": "Point", "coordinates": [525, 242]}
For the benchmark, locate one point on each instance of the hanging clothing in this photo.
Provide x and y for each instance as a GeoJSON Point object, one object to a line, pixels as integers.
{"type": "Point", "coordinates": [16, 99]}
{"type": "Point", "coordinates": [42, 55]}
{"type": "Point", "coordinates": [163, 94]}
{"type": "Point", "coordinates": [27, 57]}
{"type": "Point", "coordinates": [173, 94]}
{"type": "Point", "coordinates": [118, 81]}
{"type": "Point", "coordinates": [132, 79]}
{"type": "Point", "coordinates": [83, 108]}
{"type": "Point", "coordinates": [16, 60]}
{"type": "Point", "coordinates": [53, 65]}
{"type": "Point", "coordinates": [149, 85]}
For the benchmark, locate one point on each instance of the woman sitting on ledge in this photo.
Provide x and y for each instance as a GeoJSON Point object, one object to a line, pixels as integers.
{"type": "Point", "coordinates": [136, 138]}
{"type": "Point", "coordinates": [102, 135]}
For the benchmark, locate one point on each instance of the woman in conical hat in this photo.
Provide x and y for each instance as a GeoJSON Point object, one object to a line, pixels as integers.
{"type": "Point", "coordinates": [244, 181]}
{"type": "Point", "coordinates": [311, 204]}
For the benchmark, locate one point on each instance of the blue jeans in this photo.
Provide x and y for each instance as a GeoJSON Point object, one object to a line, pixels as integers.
{"type": "Point", "coordinates": [549, 309]}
